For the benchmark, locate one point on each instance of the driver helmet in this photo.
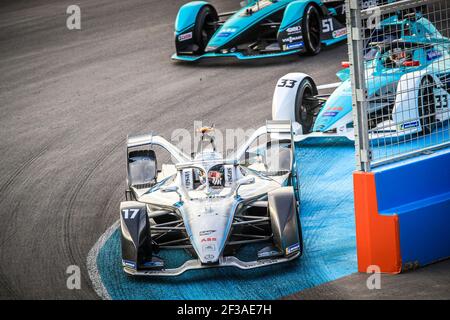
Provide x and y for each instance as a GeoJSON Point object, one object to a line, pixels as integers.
{"type": "Point", "coordinates": [215, 177]}
{"type": "Point", "coordinates": [398, 56]}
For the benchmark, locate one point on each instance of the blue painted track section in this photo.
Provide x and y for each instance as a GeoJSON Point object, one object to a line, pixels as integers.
{"type": "Point", "coordinates": [325, 169]}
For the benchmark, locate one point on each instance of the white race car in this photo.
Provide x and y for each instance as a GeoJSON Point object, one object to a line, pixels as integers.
{"type": "Point", "coordinates": [211, 206]}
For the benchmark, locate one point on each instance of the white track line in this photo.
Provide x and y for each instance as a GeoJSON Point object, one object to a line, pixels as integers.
{"type": "Point", "coordinates": [91, 262]}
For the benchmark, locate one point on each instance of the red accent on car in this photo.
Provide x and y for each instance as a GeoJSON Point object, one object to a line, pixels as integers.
{"type": "Point", "coordinates": [412, 63]}
{"type": "Point", "coordinates": [345, 64]}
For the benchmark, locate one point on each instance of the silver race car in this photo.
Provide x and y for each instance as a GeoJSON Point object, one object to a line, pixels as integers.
{"type": "Point", "coordinates": [211, 206]}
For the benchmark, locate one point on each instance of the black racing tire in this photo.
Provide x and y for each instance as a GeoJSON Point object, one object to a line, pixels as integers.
{"type": "Point", "coordinates": [204, 28]}
{"type": "Point", "coordinates": [427, 107]}
{"type": "Point", "coordinates": [312, 30]}
{"type": "Point", "coordinates": [306, 104]}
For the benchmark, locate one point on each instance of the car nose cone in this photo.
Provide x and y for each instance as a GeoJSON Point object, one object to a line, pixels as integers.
{"type": "Point", "coordinates": [208, 224]}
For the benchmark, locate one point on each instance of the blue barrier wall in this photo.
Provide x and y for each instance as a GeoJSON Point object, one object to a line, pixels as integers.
{"type": "Point", "coordinates": [418, 191]}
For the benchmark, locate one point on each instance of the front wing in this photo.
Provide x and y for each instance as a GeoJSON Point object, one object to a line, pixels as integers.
{"type": "Point", "coordinates": [238, 55]}
{"type": "Point", "coordinates": [242, 56]}
{"type": "Point", "coordinates": [229, 261]}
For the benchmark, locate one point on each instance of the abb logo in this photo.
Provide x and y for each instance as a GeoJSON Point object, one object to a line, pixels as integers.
{"type": "Point", "coordinates": [208, 239]}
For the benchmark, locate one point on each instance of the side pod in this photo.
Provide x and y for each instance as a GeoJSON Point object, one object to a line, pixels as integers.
{"type": "Point", "coordinates": [286, 228]}
{"type": "Point", "coordinates": [135, 238]}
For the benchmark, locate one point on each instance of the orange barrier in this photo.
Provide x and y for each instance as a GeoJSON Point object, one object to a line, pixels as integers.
{"type": "Point", "coordinates": [377, 236]}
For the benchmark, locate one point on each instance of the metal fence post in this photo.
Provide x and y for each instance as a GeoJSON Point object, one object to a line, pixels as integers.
{"type": "Point", "coordinates": [359, 92]}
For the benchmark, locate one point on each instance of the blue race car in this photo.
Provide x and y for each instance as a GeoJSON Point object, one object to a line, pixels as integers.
{"type": "Point", "coordinates": [407, 81]}
{"type": "Point", "coordinates": [260, 29]}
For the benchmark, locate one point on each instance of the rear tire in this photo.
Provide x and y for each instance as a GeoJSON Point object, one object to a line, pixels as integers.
{"type": "Point", "coordinates": [204, 28]}
{"type": "Point", "coordinates": [311, 29]}
{"type": "Point", "coordinates": [427, 106]}
{"type": "Point", "coordinates": [306, 104]}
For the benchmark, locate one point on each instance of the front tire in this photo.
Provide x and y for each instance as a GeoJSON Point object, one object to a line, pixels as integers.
{"type": "Point", "coordinates": [311, 28]}
{"type": "Point", "coordinates": [427, 108]}
{"type": "Point", "coordinates": [306, 104]}
{"type": "Point", "coordinates": [204, 28]}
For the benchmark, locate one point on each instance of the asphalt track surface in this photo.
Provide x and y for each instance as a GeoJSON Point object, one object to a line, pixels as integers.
{"type": "Point", "coordinates": [67, 101]}
{"type": "Point", "coordinates": [431, 282]}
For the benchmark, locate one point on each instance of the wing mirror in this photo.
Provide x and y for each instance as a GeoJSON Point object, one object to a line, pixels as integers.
{"type": "Point", "coordinates": [172, 189]}
{"type": "Point", "coordinates": [244, 181]}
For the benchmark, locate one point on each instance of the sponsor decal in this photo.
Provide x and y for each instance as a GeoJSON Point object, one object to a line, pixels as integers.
{"type": "Point", "coordinates": [409, 125]}
{"type": "Point", "coordinates": [294, 30]}
{"type": "Point", "coordinates": [368, 4]}
{"type": "Point", "coordinates": [185, 36]}
{"type": "Point", "coordinates": [295, 45]}
{"type": "Point", "coordinates": [209, 247]}
{"type": "Point", "coordinates": [188, 179]}
{"type": "Point", "coordinates": [231, 30]}
{"type": "Point", "coordinates": [154, 264]}
{"type": "Point", "coordinates": [291, 39]}
{"type": "Point", "coordinates": [433, 54]}
{"type": "Point", "coordinates": [209, 256]}
{"type": "Point", "coordinates": [229, 175]}
{"type": "Point", "coordinates": [206, 232]}
{"type": "Point", "coordinates": [208, 240]}
{"type": "Point", "coordinates": [268, 254]}
{"type": "Point", "coordinates": [226, 32]}
{"type": "Point", "coordinates": [223, 34]}
{"type": "Point", "coordinates": [332, 111]}
{"type": "Point", "coordinates": [335, 109]}
{"type": "Point", "coordinates": [129, 264]}
{"type": "Point", "coordinates": [293, 248]}
{"type": "Point", "coordinates": [339, 33]}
